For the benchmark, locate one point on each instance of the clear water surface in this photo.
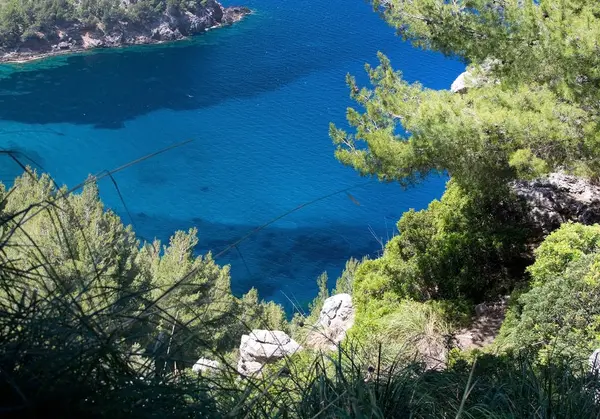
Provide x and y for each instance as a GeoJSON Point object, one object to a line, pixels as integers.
{"type": "Point", "coordinates": [256, 99]}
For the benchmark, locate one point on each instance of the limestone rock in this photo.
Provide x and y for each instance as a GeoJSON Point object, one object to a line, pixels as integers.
{"type": "Point", "coordinates": [234, 14]}
{"type": "Point", "coordinates": [263, 347]}
{"type": "Point", "coordinates": [595, 362]}
{"type": "Point", "coordinates": [164, 32]}
{"type": "Point", "coordinates": [337, 312]}
{"type": "Point", "coordinates": [89, 41]}
{"type": "Point", "coordinates": [559, 198]}
{"type": "Point", "coordinates": [474, 77]}
{"type": "Point", "coordinates": [335, 319]}
{"type": "Point", "coordinates": [462, 83]}
{"type": "Point", "coordinates": [249, 367]}
{"type": "Point", "coordinates": [204, 365]}
{"type": "Point", "coordinates": [115, 39]}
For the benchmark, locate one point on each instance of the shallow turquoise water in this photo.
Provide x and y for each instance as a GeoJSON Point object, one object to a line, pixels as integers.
{"type": "Point", "coordinates": [256, 99]}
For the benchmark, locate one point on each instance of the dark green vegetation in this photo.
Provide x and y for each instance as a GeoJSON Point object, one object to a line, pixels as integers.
{"type": "Point", "coordinates": [59, 244]}
{"type": "Point", "coordinates": [24, 19]}
{"type": "Point", "coordinates": [537, 112]}
{"type": "Point", "coordinates": [531, 107]}
{"type": "Point", "coordinates": [95, 323]}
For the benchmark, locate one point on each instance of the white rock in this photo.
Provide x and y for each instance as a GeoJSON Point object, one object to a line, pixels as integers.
{"type": "Point", "coordinates": [206, 365]}
{"type": "Point", "coordinates": [475, 78]}
{"type": "Point", "coordinates": [595, 362]}
{"type": "Point", "coordinates": [263, 347]}
{"type": "Point", "coordinates": [335, 319]}
{"type": "Point", "coordinates": [461, 84]}
{"type": "Point", "coordinates": [249, 367]}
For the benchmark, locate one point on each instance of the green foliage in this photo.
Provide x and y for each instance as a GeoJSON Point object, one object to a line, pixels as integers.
{"type": "Point", "coordinates": [539, 42]}
{"type": "Point", "coordinates": [256, 314]}
{"type": "Point", "coordinates": [22, 19]}
{"type": "Point", "coordinates": [463, 246]}
{"type": "Point", "coordinates": [512, 386]}
{"type": "Point", "coordinates": [527, 165]}
{"type": "Point", "coordinates": [344, 284]}
{"type": "Point", "coordinates": [409, 330]}
{"type": "Point", "coordinates": [172, 303]}
{"type": "Point", "coordinates": [561, 312]}
{"type": "Point", "coordinates": [563, 247]}
{"type": "Point", "coordinates": [316, 305]}
{"type": "Point", "coordinates": [537, 112]}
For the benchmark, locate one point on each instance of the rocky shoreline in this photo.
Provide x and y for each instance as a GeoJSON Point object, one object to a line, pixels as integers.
{"type": "Point", "coordinates": [75, 37]}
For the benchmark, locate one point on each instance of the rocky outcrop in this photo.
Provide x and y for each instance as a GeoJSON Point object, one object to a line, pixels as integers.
{"type": "Point", "coordinates": [335, 319]}
{"type": "Point", "coordinates": [204, 366]}
{"type": "Point", "coordinates": [264, 347]}
{"type": "Point", "coordinates": [170, 26]}
{"type": "Point", "coordinates": [559, 198]}
{"type": "Point", "coordinates": [474, 77]}
{"type": "Point", "coordinates": [463, 82]}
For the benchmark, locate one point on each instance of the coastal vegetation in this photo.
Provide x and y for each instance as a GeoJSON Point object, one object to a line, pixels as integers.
{"type": "Point", "coordinates": [38, 24]}
{"type": "Point", "coordinates": [95, 322]}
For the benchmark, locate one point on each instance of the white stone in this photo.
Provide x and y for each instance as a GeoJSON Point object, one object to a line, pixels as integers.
{"type": "Point", "coordinates": [335, 319]}
{"type": "Point", "coordinates": [263, 347]}
{"type": "Point", "coordinates": [595, 362]}
{"type": "Point", "coordinates": [206, 365]}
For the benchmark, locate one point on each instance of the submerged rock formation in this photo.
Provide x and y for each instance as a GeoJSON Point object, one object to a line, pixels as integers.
{"type": "Point", "coordinates": [335, 319]}
{"type": "Point", "coordinates": [264, 347]}
{"type": "Point", "coordinates": [171, 25]}
{"type": "Point", "coordinates": [559, 198]}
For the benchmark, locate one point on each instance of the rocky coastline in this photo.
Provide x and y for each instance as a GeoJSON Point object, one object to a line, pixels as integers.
{"type": "Point", "coordinates": [72, 37]}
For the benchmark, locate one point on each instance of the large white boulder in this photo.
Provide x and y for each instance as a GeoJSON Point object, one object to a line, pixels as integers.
{"type": "Point", "coordinates": [595, 362]}
{"type": "Point", "coordinates": [263, 347]}
{"type": "Point", "coordinates": [475, 77]}
{"type": "Point", "coordinates": [205, 365]}
{"type": "Point", "coordinates": [462, 83]}
{"type": "Point", "coordinates": [335, 319]}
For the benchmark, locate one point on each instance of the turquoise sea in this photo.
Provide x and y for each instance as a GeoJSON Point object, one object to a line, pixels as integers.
{"type": "Point", "coordinates": [256, 99]}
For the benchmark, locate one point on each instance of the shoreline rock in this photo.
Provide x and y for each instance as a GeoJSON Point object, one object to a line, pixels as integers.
{"type": "Point", "coordinates": [76, 37]}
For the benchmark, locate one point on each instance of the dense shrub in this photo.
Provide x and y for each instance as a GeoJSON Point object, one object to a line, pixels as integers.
{"type": "Point", "coordinates": [560, 312]}
{"type": "Point", "coordinates": [68, 244]}
{"type": "Point", "coordinates": [463, 246]}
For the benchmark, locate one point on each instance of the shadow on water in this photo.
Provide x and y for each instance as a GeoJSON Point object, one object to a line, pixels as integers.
{"type": "Point", "coordinates": [275, 259]}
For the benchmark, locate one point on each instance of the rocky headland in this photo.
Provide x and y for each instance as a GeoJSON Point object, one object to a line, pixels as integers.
{"type": "Point", "coordinates": [76, 36]}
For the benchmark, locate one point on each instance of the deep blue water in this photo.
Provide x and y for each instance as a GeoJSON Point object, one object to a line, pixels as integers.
{"type": "Point", "coordinates": [256, 99]}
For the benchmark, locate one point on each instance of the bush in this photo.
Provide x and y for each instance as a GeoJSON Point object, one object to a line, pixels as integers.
{"type": "Point", "coordinates": [560, 313]}
{"type": "Point", "coordinates": [465, 246]}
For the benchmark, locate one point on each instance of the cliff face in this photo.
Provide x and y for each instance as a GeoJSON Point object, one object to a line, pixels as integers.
{"type": "Point", "coordinates": [172, 25]}
{"type": "Point", "coordinates": [560, 198]}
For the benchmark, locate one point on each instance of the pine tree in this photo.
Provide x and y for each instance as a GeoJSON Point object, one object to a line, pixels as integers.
{"type": "Point", "coordinates": [534, 109]}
